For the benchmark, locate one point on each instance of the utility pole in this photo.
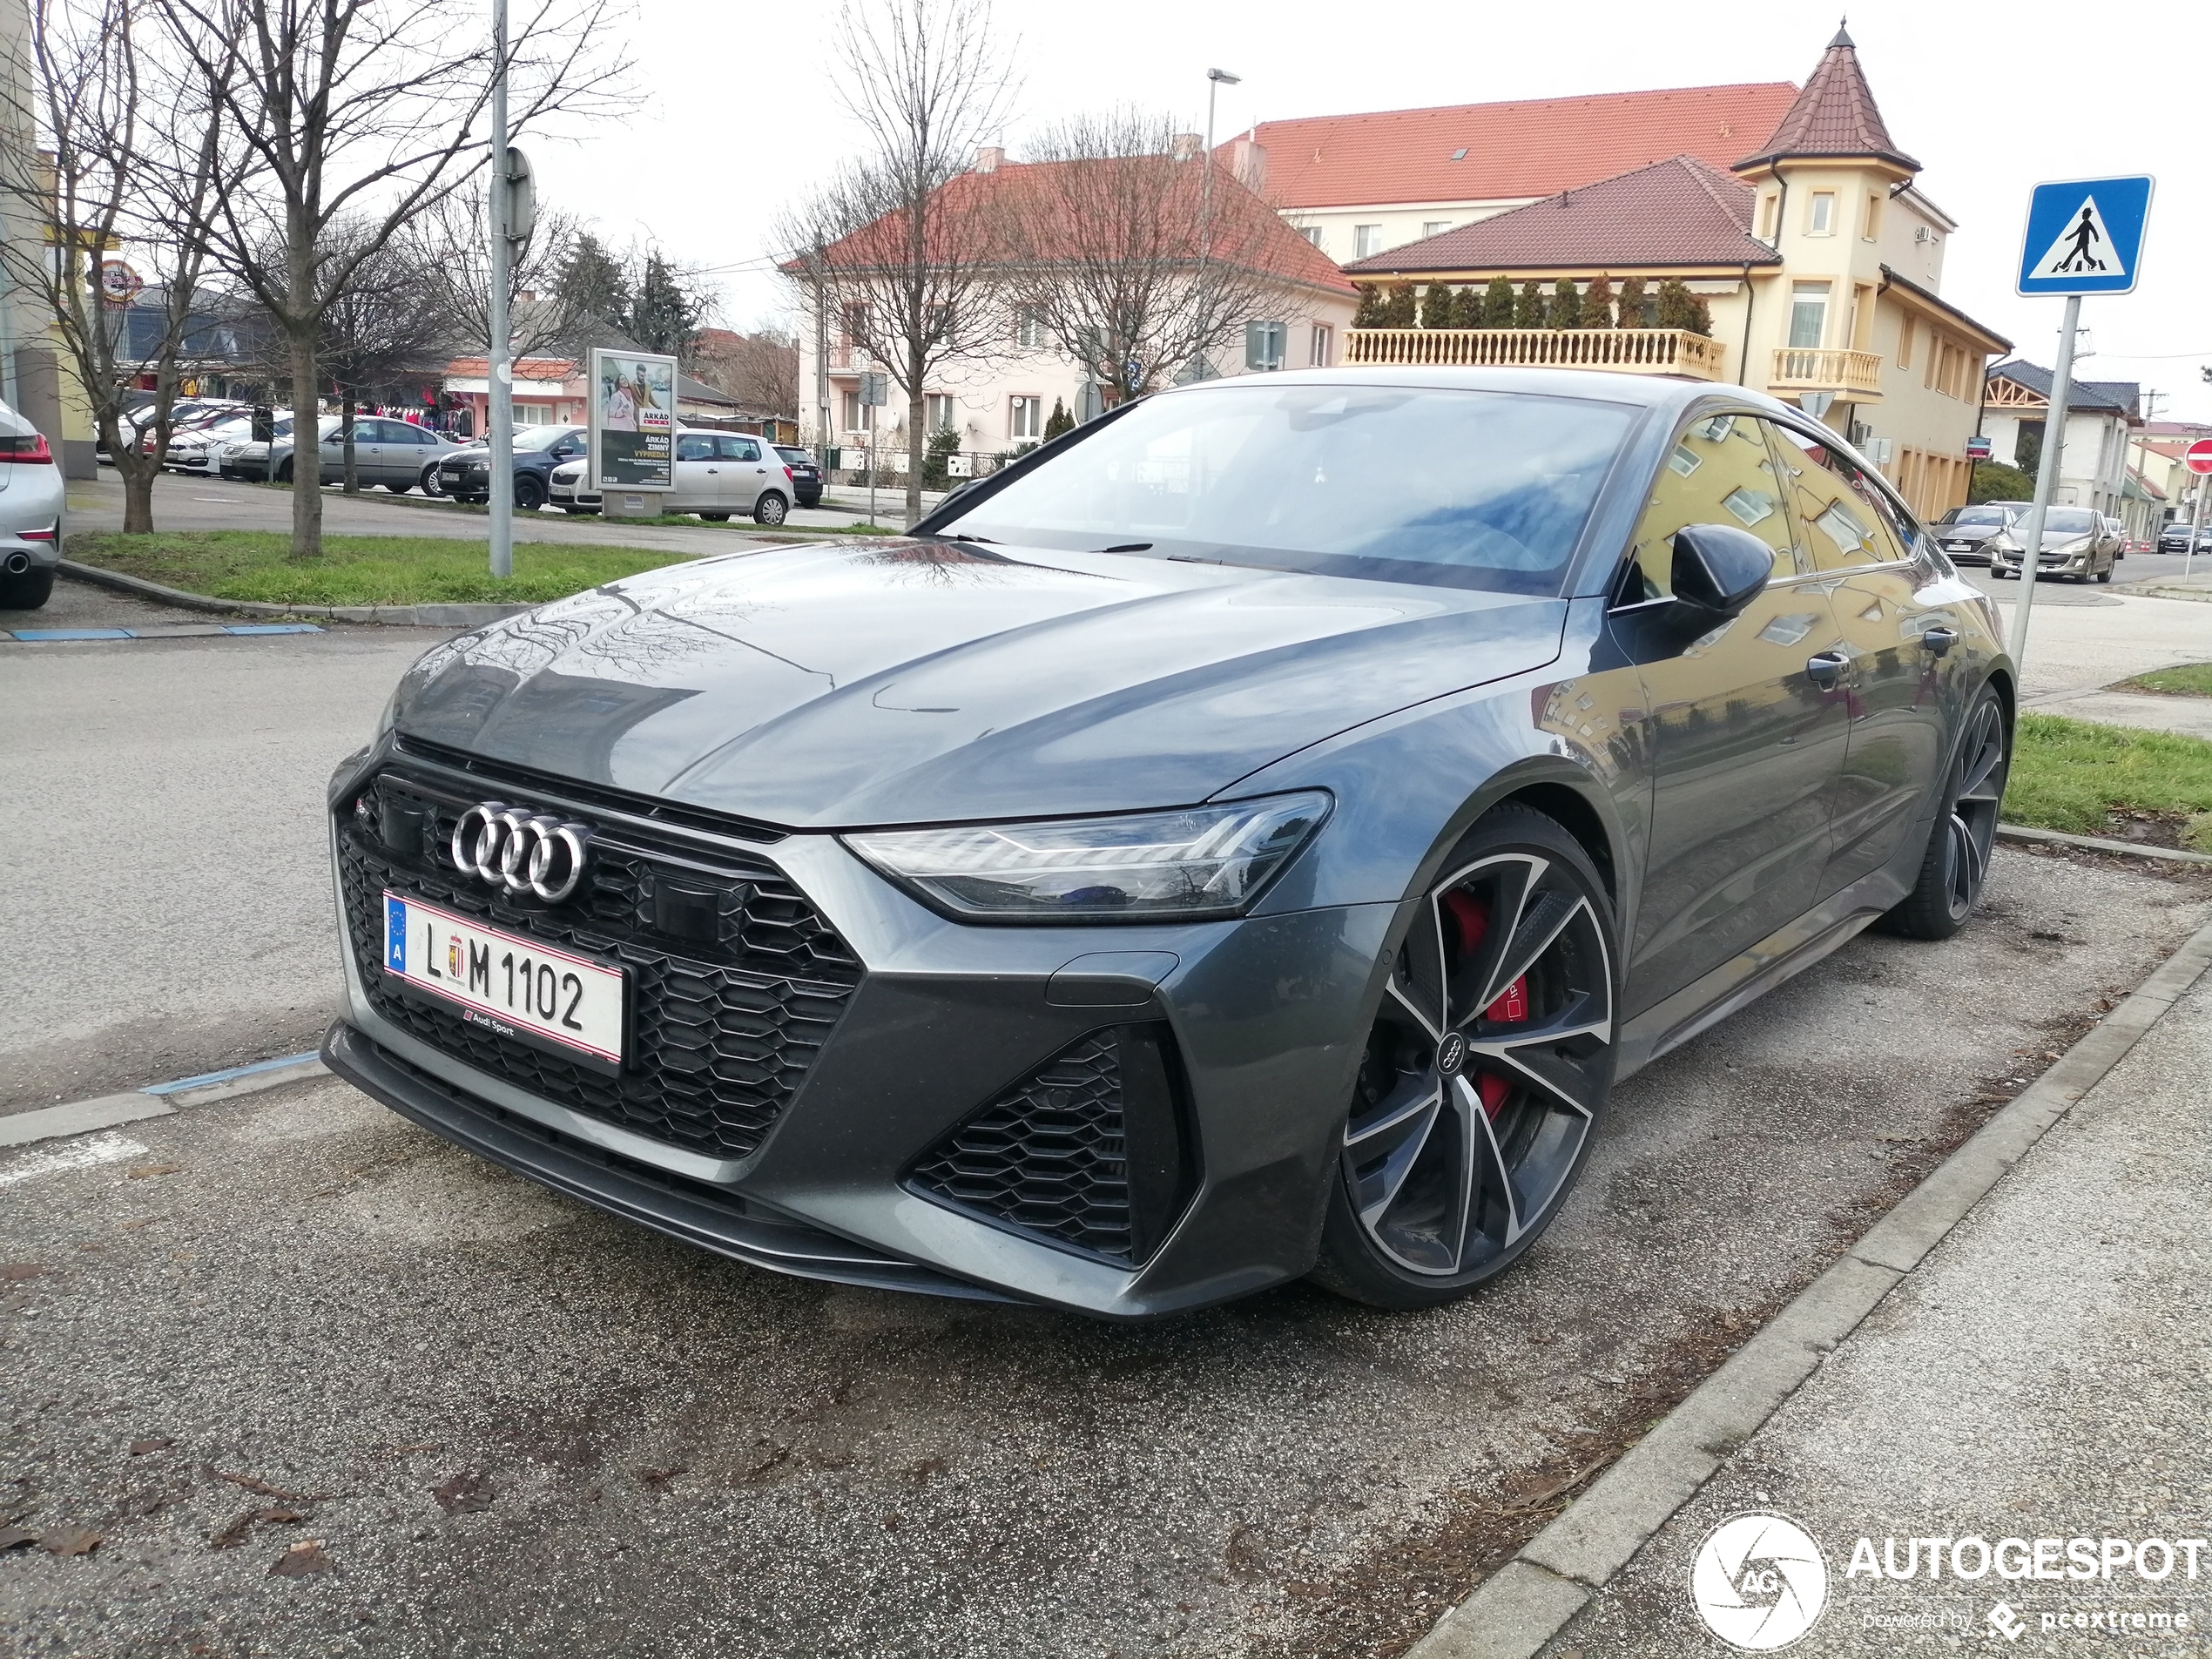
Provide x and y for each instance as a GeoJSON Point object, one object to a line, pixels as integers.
{"type": "Point", "coordinates": [1216, 79]}
{"type": "Point", "coordinates": [499, 378]}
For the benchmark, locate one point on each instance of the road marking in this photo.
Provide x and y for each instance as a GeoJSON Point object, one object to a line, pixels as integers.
{"type": "Point", "coordinates": [110, 1148]}
{"type": "Point", "coordinates": [155, 1100]}
{"type": "Point", "coordinates": [47, 635]}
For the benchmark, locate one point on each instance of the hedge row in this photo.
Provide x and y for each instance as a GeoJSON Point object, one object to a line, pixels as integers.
{"type": "Point", "coordinates": [1498, 306]}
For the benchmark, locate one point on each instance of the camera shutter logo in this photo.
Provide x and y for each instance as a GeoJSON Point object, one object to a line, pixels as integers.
{"type": "Point", "coordinates": [1759, 1582]}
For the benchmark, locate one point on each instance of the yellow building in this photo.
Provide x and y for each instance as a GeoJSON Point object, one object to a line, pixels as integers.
{"type": "Point", "coordinates": [1815, 258]}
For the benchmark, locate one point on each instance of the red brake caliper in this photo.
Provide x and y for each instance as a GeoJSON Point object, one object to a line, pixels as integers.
{"type": "Point", "coordinates": [1473, 917]}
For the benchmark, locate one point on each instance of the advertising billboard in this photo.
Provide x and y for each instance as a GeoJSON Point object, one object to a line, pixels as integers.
{"type": "Point", "coordinates": [632, 420]}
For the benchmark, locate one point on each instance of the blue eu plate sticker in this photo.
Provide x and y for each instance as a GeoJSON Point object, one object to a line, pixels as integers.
{"type": "Point", "coordinates": [394, 934]}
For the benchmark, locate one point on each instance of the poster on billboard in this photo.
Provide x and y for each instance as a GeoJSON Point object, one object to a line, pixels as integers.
{"type": "Point", "coordinates": [633, 421]}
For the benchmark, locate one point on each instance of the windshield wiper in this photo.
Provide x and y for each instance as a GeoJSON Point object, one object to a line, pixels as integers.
{"type": "Point", "coordinates": [1128, 547]}
{"type": "Point", "coordinates": [960, 537]}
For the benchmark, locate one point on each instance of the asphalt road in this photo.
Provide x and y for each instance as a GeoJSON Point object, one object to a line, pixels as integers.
{"type": "Point", "coordinates": [512, 1425]}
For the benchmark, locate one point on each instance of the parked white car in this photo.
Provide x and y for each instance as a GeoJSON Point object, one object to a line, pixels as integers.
{"type": "Point", "coordinates": [32, 507]}
{"type": "Point", "coordinates": [717, 473]}
{"type": "Point", "coordinates": [200, 451]}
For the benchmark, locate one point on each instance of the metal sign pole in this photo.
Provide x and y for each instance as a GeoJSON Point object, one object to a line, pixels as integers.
{"type": "Point", "coordinates": [499, 379]}
{"type": "Point", "coordinates": [2196, 521]}
{"type": "Point", "coordinates": [2046, 479]}
{"type": "Point", "coordinates": [871, 409]}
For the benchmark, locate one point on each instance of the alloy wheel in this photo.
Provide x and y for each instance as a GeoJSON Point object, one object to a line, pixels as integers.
{"type": "Point", "coordinates": [1970, 833]}
{"type": "Point", "coordinates": [1485, 1069]}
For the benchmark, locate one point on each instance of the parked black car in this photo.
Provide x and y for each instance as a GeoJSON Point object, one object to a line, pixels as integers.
{"type": "Point", "coordinates": [805, 477]}
{"type": "Point", "coordinates": [465, 474]}
{"type": "Point", "coordinates": [2175, 538]}
{"type": "Point", "coordinates": [1246, 838]}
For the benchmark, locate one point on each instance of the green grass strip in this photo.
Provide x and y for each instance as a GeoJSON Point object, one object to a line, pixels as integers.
{"type": "Point", "coordinates": [2069, 774]}
{"type": "Point", "coordinates": [258, 565]}
{"type": "Point", "coordinates": [2192, 679]}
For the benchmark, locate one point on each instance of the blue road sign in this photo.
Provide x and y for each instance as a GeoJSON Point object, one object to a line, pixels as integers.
{"type": "Point", "coordinates": [2085, 236]}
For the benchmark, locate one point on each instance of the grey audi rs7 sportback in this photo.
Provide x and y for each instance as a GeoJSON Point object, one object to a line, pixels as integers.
{"type": "Point", "coordinates": [1246, 838]}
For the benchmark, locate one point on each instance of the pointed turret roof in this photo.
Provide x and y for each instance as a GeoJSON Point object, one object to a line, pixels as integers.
{"type": "Point", "coordinates": [1834, 116]}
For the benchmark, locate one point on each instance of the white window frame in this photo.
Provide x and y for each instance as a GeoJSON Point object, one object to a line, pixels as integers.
{"type": "Point", "coordinates": [1366, 241]}
{"type": "Point", "coordinates": [1324, 345]}
{"type": "Point", "coordinates": [1820, 214]}
{"type": "Point", "coordinates": [1435, 226]}
{"type": "Point", "coordinates": [1809, 294]}
{"type": "Point", "coordinates": [1024, 417]}
{"type": "Point", "coordinates": [939, 410]}
{"type": "Point", "coordinates": [1028, 330]}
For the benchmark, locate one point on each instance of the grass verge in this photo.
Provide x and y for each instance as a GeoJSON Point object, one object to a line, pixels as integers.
{"type": "Point", "coordinates": [2191, 679]}
{"type": "Point", "coordinates": [258, 565]}
{"type": "Point", "coordinates": [2092, 779]}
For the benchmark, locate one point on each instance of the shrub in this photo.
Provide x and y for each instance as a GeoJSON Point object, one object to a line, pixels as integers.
{"type": "Point", "coordinates": [1497, 304]}
{"type": "Point", "coordinates": [1399, 309]}
{"type": "Point", "coordinates": [1370, 314]}
{"type": "Point", "coordinates": [1467, 307]}
{"type": "Point", "coordinates": [1566, 308]}
{"type": "Point", "coordinates": [1700, 316]}
{"type": "Point", "coordinates": [1676, 310]}
{"type": "Point", "coordinates": [1439, 309]}
{"type": "Point", "coordinates": [1528, 308]}
{"type": "Point", "coordinates": [1055, 423]}
{"type": "Point", "coordinates": [1632, 302]}
{"type": "Point", "coordinates": [1597, 304]}
{"type": "Point", "coordinates": [1994, 481]}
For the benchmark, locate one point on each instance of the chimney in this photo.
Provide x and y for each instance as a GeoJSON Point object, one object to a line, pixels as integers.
{"type": "Point", "coordinates": [1185, 146]}
{"type": "Point", "coordinates": [1248, 160]}
{"type": "Point", "coordinates": [989, 158]}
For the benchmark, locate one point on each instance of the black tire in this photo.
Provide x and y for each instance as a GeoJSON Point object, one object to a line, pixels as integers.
{"type": "Point", "coordinates": [284, 473]}
{"type": "Point", "coordinates": [2105, 575]}
{"type": "Point", "coordinates": [530, 491]}
{"type": "Point", "coordinates": [1956, 865]}
{"type": "Point", "coordinates": [1450, 1168]}
{"type": "Point", "coordinates": [715, 518]}
{"type": "Point", "coordinates": [769, 508]}
{"type": "Point", "coordinates": [28, 592]}
{"type": "Point", "coordinates": [429, 482]}
{"type": "Point", "coordinates": [398, 489]}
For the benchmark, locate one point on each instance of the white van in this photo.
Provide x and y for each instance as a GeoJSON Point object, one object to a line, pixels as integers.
{"type": "Point", "coordinates": [716, 473]}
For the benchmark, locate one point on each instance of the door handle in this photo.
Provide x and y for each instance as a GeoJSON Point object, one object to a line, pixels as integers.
{"type": "Point", "coordinates": [1826, 668]}
{"type": "Point", "coordinates": [1940, 640]}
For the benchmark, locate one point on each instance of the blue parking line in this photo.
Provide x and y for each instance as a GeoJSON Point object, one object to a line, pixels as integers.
{"type": "Point", "coordinates": [34, 636]}
{"type": "Point", "coordinates": [205, 1078]}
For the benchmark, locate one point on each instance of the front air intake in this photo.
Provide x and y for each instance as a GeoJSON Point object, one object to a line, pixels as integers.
{"type": "Point", "coordinates": [1091, 1151]}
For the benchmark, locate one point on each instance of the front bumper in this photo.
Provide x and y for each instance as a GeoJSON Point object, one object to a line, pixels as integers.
{"type": "Point", "coordinates": [883, 1160]}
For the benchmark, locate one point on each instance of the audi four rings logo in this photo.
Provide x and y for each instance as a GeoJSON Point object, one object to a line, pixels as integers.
{"type": "Point", "coordinates": [522, 850]}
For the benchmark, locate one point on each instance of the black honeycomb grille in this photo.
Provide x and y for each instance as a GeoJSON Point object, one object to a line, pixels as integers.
{"type": "Point", "coordinates": [725, 1022]}
{"type": "Point", "coordinates": [1049, 1155]}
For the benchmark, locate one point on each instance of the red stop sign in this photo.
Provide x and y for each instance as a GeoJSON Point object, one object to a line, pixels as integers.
{"type": "Point", "coordinates": [2198, 457]}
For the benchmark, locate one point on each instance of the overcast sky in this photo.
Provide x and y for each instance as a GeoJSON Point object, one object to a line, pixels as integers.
{"type": "Point", "coordinates": [737, 112]}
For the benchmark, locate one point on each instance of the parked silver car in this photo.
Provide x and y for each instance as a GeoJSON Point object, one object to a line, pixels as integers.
{"type": "Point", "coordinates": [2076, 544]}
{"type": "Point", "coordinates": [32, 506]}
{"type": "Point", "coordinates": [1963, 532]}
{"type": "Point", "coordinates": [717, 473]}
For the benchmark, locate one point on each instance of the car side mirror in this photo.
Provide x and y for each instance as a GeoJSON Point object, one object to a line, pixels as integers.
{"type": "Point", "coordinates": [1719, 568]}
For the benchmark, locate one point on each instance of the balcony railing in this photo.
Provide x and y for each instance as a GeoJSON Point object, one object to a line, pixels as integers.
{"type": "Point", "coordinates": [1854, 374]}
{"type": "Point", "coordinates": [1634, 351]}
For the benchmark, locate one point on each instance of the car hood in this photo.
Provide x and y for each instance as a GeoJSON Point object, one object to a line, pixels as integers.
{"type": "Point", "coordinates": [914, 681]}
{"type": "Point", "coordinates": [1966, 532]}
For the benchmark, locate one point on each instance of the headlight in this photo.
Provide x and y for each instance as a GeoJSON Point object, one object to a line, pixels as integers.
{"type": "Point", "coordinates": [2073, 549]}
{"type": "Point", "coordinates": [1204, 861]}
{"type": "Point", "coordinates": [2002, 542]}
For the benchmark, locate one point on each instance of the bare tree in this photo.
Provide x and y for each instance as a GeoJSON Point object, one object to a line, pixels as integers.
{"type": "Point", "coordinates": [133, 159]}
{"type": "Point", "coordinates": [759, 369]}
{"type": "Point", "coordinates": [1110, 250]}
{"type": "Point", "coordinates": [900, 240]}
{"type": "Point", "coordinates": [387, 320]}
{"type": "Point", "coordinates": [449, 244]}
{"type": "Point", "coordinates": [367, 112]}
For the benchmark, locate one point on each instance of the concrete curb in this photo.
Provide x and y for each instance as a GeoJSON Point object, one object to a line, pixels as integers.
{"type": "Point", "coordinates": [403, 615]}
{"type": "Point", "coordinates": [2099, 844]}
{"type": "Point", "coordinates": [1520, 1607]}
{"type": "Point", "coordinates": [106, 1111]}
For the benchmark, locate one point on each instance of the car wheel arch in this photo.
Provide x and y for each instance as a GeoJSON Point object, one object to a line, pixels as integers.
{"type": "Point", "coordinates": [1562, 792]}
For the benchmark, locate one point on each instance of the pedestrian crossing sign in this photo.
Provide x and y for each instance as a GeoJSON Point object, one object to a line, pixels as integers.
{"type": "Point", "coordinates": [2085, 236]}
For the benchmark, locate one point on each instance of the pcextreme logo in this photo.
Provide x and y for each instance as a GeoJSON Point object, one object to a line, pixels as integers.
{"type": "Point", "coordinates": [1759, 1582]}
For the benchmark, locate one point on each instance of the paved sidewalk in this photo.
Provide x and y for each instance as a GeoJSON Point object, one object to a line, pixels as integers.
{"type": "Point", "coordinates": [2042, 1376]}
{"type": "Point", "coordinates": [2191, 717]}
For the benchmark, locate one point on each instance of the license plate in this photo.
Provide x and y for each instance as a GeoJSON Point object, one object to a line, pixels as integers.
{"type": "Point", "coordinates": [1959, 547]}
{"type": "Point", "coordinates": [504, 983]}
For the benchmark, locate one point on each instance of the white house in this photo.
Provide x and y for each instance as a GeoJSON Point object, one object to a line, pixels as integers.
{"type": "Point", "coordinates": [2094, 466]}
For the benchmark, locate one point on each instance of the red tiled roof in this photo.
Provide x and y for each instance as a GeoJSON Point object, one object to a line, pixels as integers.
{"type": "Point", "coordinates": [1682, 212]}
{"type": "Point", "coordinates": [1834, 116]}
{"type": "Point", "coordinates": [1241, 222]}
{"type": "Point", "coordinates": [1531, 147]}
{"type": "Point", "coordinates": [526, 369]}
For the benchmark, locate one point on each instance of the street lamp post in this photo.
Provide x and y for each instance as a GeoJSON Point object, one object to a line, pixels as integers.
{"type": "Point", "coordinates": [499, 372]}
{"type": "Point", "coordinates": [1216, 79]}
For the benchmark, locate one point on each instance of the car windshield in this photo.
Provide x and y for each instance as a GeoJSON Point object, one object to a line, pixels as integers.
{"type": "Point", "coordinates": [1477, 490]}
{"type": "Point", "coordinates": [2070, 521]}
{"type": "Point", "coordinates": [797, 457]}
{"type": "Point", "coordinates": [1983, 515]}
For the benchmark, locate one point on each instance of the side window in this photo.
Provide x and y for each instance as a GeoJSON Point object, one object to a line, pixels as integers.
{"type": "Point", "coordinates": [689, 446]}
{"type": "Point", "coordinates": [740, 448]}
{"type": "Point", "coordinates": [1718, 472]}
{"type": "Point", "coordinates": [1843, 518]}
